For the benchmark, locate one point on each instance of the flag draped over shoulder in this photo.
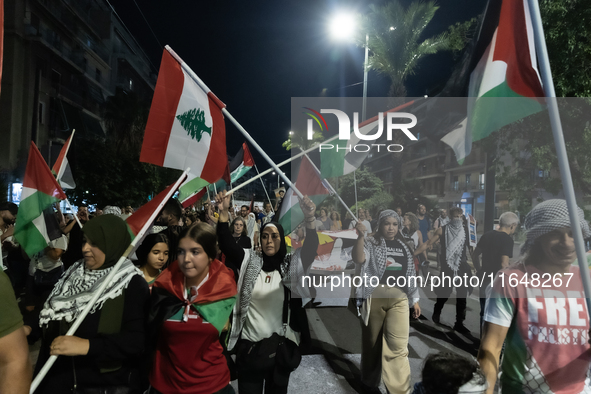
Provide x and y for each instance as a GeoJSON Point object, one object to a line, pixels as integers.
{"type": "Point", "coordinates": [343, 160]}
{"type": "Point", "coordinates": [309, 184]}
{"type": "Point", "coordinates": [61, 167]}
{"type": "Point", "coordinates": [499, 73]}
{"type": "Point", "coordinates": [40, 191]}
{"type": "Point", "coordinates": [185, 128]}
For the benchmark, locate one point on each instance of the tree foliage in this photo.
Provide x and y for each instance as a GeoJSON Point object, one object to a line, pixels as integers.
{"type": "Point", "coordinates": [367, 185]}
{"type": "Point", "coordinates": [526, 149]}
{"type": "Point", "coordinates": [397, 43]}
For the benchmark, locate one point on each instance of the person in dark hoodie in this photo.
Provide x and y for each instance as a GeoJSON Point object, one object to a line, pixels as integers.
{"type": "Point", "coordinates": [260, 307]}
{"type": "Point", "coordinates": [190, 307]}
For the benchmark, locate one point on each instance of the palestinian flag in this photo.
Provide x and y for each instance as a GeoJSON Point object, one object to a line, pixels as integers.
{"type": "Point", "coordinates": [309, 184]}
{"type": "Point", "coordinates": [343, 160]}
{"type": "Point", "coordinates": [499, 73]}
{"type": "Point", "coordinates": [61, 167]}
{"type": "Point", "coordinates": [147, 212]}
{"type": "Point", "coordinates": [185, 128]}
{"type": "Point", "coordinates": [40, 191]}
{"type": "Point", "coordinates": [237, 167]}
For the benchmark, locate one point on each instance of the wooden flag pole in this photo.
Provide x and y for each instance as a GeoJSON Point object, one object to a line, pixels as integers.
{"type": "Point", "coordinates": [203, 86]}
{"type": "Point", "coordinates": [565, 174]}
{"type": "Point", "coordinates": [48, 364]}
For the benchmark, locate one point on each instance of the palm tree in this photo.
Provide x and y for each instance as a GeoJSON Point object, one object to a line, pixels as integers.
{"type": "Point", "coordinates": [395, 40]}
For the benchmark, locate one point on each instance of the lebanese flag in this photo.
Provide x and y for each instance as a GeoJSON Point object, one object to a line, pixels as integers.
{"type": "Point", "coordinates": [309, 184]}
{"type": "Point", "coordinates": [40, 191]}
{"type": "Point", "coordinates": [61, 167]}
{"type": "Point", "coordinates": [504, 80]}
{"type": "Point", "coordinates": [185, 127]}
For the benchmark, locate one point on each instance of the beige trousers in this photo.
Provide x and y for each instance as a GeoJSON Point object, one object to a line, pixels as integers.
{"type": "Point", "coordinates": [384, 348]}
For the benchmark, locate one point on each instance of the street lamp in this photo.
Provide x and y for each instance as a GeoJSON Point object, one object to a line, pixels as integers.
{"type": "Point", "coordinates": [342, 28]}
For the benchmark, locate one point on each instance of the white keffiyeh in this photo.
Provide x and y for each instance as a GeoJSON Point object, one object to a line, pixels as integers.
{"type": "Point", "coordinates": [455, 239]}
{"type": "Point", "coordinates": [76, 287]}
{"type": "Point", "coordinates": [549, 216]}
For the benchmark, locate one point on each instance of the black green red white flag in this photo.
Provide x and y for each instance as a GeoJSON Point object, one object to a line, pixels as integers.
{"type": "Point", "coordinates": [40, 191]}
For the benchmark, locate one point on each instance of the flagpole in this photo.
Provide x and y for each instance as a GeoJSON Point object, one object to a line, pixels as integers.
{"type": "Point", "coordinates": [332, 189]}
{"type": "Point", "coordinates": [48, 364]}
{"type": "Point", "coordinates": [565, 174]}
{"type": "Point", "coordinates": [233, 120]}
{"type": "Point", "coordinates": [72, 209]}
{"type": "Point", "coordinates": [355, 186]}
{"type": "Point", "coordinates": [264, 188]}
{"type": "Point", "coordinates": [62, 168]}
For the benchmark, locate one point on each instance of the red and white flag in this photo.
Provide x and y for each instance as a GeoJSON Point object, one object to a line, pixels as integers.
{"type": "Point", "coordinates": [61, 168]}
{"type": "Point", "coordinates": [185, 127]}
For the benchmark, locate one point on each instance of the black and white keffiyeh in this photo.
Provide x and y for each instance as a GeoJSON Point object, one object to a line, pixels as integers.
{"type": "Point", "coordinates": [548, 216]}
{"type": "Point", "coordinates": [455, 240]}
{"type": "Point", "coordinates": [376, 261]}
{"type": "Point", "coordinates": [76, 287]}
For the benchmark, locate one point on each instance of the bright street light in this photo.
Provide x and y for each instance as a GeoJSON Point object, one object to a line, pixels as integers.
{"type": "Point", "coordinates": [343, 26]}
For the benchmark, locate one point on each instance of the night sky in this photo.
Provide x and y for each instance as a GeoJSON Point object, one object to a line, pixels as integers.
{"type": "Point", "coordinates": [257, 55]}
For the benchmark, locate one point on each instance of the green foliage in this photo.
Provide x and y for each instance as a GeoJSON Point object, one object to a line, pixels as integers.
{"type": "Point", "coordinates": [367, 186]}
{"type": "Point", "coordinates": [568, 38]}
{"type": "Point", "coordinates": [378, 202]}
{"type": "Point", "coordinates": [396, 39]}
{"type": "Point", "coordinates": [299, 140]}
{"type": "Point", "coordinates": [107, 170]}
{"type": "Point", "coordinates": [194, 122]}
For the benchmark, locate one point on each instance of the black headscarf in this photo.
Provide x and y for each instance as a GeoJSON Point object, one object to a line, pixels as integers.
{"type": "Point", "coordinates": [110, 234]}
{"type": "Point", "coordinates": [272, 263]}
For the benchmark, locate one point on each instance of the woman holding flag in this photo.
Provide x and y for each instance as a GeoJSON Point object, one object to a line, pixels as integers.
{"type": "Point", "coordinates": [190, 306]}
{"type": "Point", "coordinates": [264, 312]}
{"type": "Point", "coordinates": [384, 304]}
{"type": "Point", "coordinates": [102, 356]}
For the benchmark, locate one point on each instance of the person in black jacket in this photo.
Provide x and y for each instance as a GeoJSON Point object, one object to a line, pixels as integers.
{"type": "Point", "coordinates": [102, 354]}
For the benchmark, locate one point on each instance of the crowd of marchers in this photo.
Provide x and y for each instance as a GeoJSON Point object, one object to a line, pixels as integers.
{"type": "Point", "coordinates": [213, 295]}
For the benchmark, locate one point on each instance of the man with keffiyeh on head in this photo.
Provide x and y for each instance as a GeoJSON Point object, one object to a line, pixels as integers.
{"type": "Point", "coordinates": [537, 306]}
{"type": "Point", "coordinates": [453, 261]}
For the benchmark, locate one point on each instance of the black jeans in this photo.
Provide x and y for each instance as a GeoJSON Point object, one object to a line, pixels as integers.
{"type": "Point", "coordinates": [252, 383]}
{"type": "Point", "coordinates": [226, 390]}
{"type": "Point", "coordinates": [462, 294]}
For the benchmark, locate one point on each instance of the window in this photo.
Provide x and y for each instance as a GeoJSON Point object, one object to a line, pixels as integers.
{"type": "Point", "coordinates": [468, 176]}
{"type": "Point", "coordinates": [455, 184]}
{"type": "Point", "coordinates": [97, 75]}
{"type": "Point", "coordinates": [41, 112]}
{"type": "Point", "coordinates": [481, 181]}
{"type": "Point", "coordinates": [130, 84]}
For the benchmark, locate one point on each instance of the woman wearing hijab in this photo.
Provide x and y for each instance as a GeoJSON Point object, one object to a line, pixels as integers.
{"type": "Point", "coordinates": [152, 256]}
{"type": "Point", "coordinates": [111, 337]}
{"type": "Point", "coordinates": [383, 306]}
{"type": "Point", "coordinates": [258, 313]}
{"type": "Point", "coordinates": [190, 306]}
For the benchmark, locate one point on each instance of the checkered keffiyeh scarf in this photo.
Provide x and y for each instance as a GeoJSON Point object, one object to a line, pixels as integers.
{"type": "Point", "coordinates": [549, 216]}
{"type": "Point", "coordinates": [291, 269]}
{"type": "Point", "coordinates": [77, 286]}
{"type": "Point", "coordinates": [455, 240]}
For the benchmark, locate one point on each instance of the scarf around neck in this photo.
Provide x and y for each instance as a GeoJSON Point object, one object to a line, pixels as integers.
{"type": "Point", "coordinates": [77, 286]}
{"type": "Point", "coordinates": [455, 238]}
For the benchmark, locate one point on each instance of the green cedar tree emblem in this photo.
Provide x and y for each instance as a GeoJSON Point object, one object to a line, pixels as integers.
{"type": "Point", "coordinates": [194, 122]}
